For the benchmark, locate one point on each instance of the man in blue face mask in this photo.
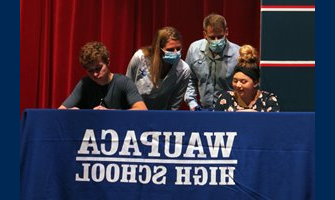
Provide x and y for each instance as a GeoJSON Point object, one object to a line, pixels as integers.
{"type": "Point", "coordinates": [212, 61]}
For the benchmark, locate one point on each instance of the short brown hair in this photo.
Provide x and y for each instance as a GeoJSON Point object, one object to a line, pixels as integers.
{"type": "Point", "coordinates": [93, 52]}
{"type": "Point", "coordinates": [216, 21]}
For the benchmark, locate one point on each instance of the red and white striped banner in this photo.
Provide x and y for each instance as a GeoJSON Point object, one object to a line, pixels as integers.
{"type": "Point", "coordinates": [273, 63]}
{"type": "Point", "coordinates": [300, 8]}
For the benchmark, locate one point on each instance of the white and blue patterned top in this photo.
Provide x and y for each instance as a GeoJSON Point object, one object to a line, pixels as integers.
{"type": "Point", "coordinates": [169, 94]}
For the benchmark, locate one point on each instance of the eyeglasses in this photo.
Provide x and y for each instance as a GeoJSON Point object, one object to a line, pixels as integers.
{"type": "Point", "coordinates": [95, 70]}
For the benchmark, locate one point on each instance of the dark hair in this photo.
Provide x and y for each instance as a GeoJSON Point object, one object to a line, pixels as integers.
{"type": "Point", "coordinates": [93, 52]}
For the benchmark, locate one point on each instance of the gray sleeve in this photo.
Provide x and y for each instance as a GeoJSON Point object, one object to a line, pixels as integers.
{"type": "Point", "coordinates": [132, 67]}
{"type": "Point", "coordinates": [132, 93]}
{"type": "Point", "coordinates": [75, 96]}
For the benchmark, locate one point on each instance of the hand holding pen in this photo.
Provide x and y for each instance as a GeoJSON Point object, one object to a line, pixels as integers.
{"type": "Point", "coordinates": [101, 105]}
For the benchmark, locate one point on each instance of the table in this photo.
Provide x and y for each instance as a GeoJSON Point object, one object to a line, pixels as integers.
{"type": "Point", "coordinates": [147, 155]}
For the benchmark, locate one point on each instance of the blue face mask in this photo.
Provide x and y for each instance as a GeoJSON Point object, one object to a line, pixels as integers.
{"type": "Point", "coordinates": [217, 46]}
{"type": "Point", "coordinates": [171, 57]}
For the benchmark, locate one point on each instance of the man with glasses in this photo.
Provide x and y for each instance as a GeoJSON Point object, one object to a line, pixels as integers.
{"type": "Point", "coordinates": [101, 89]}
{"type": "Point", "coordinates": [212, 61]}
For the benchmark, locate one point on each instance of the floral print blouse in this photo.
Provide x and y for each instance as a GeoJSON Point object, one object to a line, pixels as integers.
{"type": "Point", "coordinates": [266, 102]}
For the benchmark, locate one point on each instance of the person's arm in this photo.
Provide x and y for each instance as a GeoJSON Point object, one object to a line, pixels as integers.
{"type": "Point", "coordinates": [190, 96]}
{"type": "Point", "coordinates": [133, 66]}
{"type": "Point", "coordinates": [247, 110]}
{"type": "Point", "coordinates": [191, 92]}
{"type": "Point", "coordinates": [140, 105]}
{"type": "Point", "coordinates": [62, 107]}
{"type": "Point", "coordinates": [74, 98]}
{"type": "Point", "coordinates": [133, 96]}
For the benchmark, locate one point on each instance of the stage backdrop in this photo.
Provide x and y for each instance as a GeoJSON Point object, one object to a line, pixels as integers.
{"type": "Point", "coordinates": [288, 52]}
{"type": "Point", "coordinates": [150, 155]}
{"type": "Point", "coordinates": [52, 32]}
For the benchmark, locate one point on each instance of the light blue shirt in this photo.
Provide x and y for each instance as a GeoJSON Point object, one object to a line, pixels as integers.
{"type": "Point", "coordinates": [171, 91]}
{"type": "Point", "coordinates": [209, 74]}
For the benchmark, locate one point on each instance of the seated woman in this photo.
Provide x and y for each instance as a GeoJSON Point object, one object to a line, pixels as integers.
{"type": "Point", "coordinates": [246, 95]}
{"type": "Point", "coordinates": [158, 71]}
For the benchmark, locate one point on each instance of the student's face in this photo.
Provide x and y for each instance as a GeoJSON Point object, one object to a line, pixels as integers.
{"type": "Point", "coordinates": [172, 46]}
{"type": "Point", "coordinates": [98, 73]}
{"type": "Point", "coordinates": [244, 85]}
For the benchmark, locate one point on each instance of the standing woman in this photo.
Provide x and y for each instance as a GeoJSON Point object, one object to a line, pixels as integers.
{"type": "Point", "coordinates": [246, 95]}
{"type": "Point", "coordinates": [159, 73]}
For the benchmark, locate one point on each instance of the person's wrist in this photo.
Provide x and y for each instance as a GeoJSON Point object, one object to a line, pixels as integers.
{"type": "Point", "coordinates": [197, 108]}
{"type": "Point", "coordinates": [192, 105]}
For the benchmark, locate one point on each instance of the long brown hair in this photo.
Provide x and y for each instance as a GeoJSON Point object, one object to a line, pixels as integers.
{"type": "Point", "coordinates": [154, 51]}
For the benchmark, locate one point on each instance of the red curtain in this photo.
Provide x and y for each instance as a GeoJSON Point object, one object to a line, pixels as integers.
{"type": "Point", "coordinates": [52, 32]}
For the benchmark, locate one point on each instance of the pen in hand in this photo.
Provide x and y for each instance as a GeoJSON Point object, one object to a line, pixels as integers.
{"type": "Point", "coordinates": [101, 106]}
{"type": "Point", "coordinates": [102, 102]}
